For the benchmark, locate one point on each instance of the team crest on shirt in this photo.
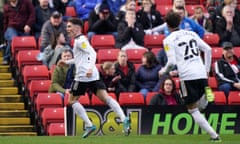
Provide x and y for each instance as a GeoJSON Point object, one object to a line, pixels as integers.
{"type": "Point", "coordinates": [166, 47]}
{"type": "Point", "coordinates": [84, 45]}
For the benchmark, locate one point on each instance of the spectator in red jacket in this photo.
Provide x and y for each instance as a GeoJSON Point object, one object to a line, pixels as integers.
{"type": "Point", "coordinates": [19, 17]}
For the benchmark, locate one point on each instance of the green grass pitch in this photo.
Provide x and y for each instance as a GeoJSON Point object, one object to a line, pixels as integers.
{"type": "Point", "coordinates": [120, 139]}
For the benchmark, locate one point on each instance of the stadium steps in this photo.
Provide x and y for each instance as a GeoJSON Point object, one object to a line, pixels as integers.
{"type": "Point", "coordinates": [14, 118]}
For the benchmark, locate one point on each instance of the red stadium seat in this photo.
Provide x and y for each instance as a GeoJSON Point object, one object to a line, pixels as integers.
{"type": "Point", "coordinates": [45, 100]}
{"type": "Point", "coordinates": [237, 51]}
{"type": "Point", "coordinates": [96, 101]}
{"type": "Point", "coordinates": [164, 9]}
{"type": "Point", "coordinates": [85, 27]}
{"type": "Point", "coordinates": [34, 72]}
{"type": "Point", "coordinates": [151, 41]}
{"type": "Point", "coordinates": [84, 100]}
{"type": "Point", "coordinates": [56, 129]}
{"type": "Point", "coordinates": [149, 97]}
{"type": "Point", "coordinates": [103, 41]}
{"type": "Point", "coordinates": [107, 55]}
{"type": "Point", "coordinates": [27, 57]}
{"type": "Point", "coordinates": [135, 55]}
{"type": "Point", "coordinates": [212, 82]}
{"type": "Point", "coordinates": [177, 82]}
{"type": "Point", "coordinates": [51, 71]}
{"type": "Point", "coordinates": [38, 86]}
{"type": "Point", "coordinates": [131, 98]}
{"type": "Point", "coordinates": [156, 50]}
{"type": "Point", "coordinates": [216, 54]}
{"type": "Point", "coordinates": [163, 2]}
{"type": "Point", "coordinates": [211, 39]}
{"type": "Point", "coordinates": [22, 43]}
{"type": "Point", "coordinates": [194, 2]}
{"type": "Point", "coordinates": [70, 11]}
{"type": "Point", "coordinates": [220, 98]}
{"type": "Point", "coordinates": [190, 8]}
{"type": "Point", "coordinates": [234, 98]}
{"type": "Point", "coordinates": [52, 115]}
{"type": "Point", "coordinates": [137, 65]}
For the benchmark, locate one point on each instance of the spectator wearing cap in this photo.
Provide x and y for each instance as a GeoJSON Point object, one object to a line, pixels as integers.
{"type": "Point", "coordinates": [51, 27]}
{"type": "Point", "coordinates": [19, 17]}
{"type": "Point", "coordinates": [84, 7]}
{"type": "Point", "coordinates": [43, 13]}
{"type": "Point", "coordinates": [227, 70]}
{"type": "Point", "coordinates": [102, 21]}
{"type": "Point", "coordinates": [228, 26]}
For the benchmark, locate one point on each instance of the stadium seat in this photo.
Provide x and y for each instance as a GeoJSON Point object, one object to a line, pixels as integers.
{"type": "Point", "coordinates": [220, 98]}
{"type": "Point", "coordinates": [156, 50]}
{"type": "Point", "coordinates": [216, 54]}
{"type": "Point", "coordinates": [34, 72]}
{"type": "Point", "coordinates": [234, 98]}
{"type": "Point", "coordinates": [151, 41]}
{"type": "Point", "coordinates": [149, 97]}
{"type": "Point", "coordinates": [39, 42]}
{"type": "Point", "coordinates": [237, 51]}
{"type": "Point", "coordinates": [135, 55]}
{"type": "Point", "coordinates": [45, 100]}
{"type": "Point", "coordinates": [107, 55]}
{"type": "Point", "coordinates": [190, 8]}
{"type": "Point", "coordinates": [37, 86]}
{"type": "Point", "coordinates": [56, 129]}
{"type": "Point", "coordinates": [85, 27]}
{"type": "Point", "coordinates": [194, 2]}
{"type": "Point", "coordinates": [212, 82]}
{"type": "Point", "coordinates": [51, 70]}
{"type": "Point", "coordinates": [96, 101]}
{"type": "Point", "coordinates": [104, 41]}
{"type": "Point", "coordinates": [22, 43]}
{"type": "Point", "coordinates": [137, 65]}
{"type": "Point", "coordinates": [177, 82]}
{"type": "Point", "coordinates": [27, 57]}
{"type": "Point", "coordinates": [163, 2]}
{"type": "Point", "coordinates": [131, 98]}
{"type": "Point", "coordinates": [211, 39]}
{"type": "Point", "coordinates": [84, 100]}
{"type": "Point", "coordinates": [52, 115]}
{"type": "Point", "coordinates": [70, 11]}
{"type": "Point", "coordinates": [164, 9]}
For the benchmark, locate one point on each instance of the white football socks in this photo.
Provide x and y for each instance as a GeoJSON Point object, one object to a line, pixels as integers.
{"type": "Point", "coordinates": [81, 112]}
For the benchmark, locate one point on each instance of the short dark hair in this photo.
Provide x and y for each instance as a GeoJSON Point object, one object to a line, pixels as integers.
{"type": "Point", "coordinates": [173, 19]}
{"type": "Point", "coordinates": [76, 21]}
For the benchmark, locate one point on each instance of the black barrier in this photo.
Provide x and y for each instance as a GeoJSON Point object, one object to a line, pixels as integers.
{"type": "Point", "coordinates": [159, 120]}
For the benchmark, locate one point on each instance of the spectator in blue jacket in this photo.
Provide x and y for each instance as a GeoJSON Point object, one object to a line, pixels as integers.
{"type": "Point", "coordinates": [115, 5]}
{"type": "Point", "coordinates": [147, 77]}
{"type": "Point", "coordinates": [84, 7]}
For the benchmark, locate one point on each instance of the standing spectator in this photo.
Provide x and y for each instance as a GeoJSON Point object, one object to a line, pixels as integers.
{"type": "Point", "coordinates": [108, 76]}
{"type": "Point", "coordinates": [228, 27]}
{"type": "Point", "coordinates": [147, 78]}
{"type": "Point", "coordinates": [202, 19]}
{"type": "Point", "coordinates": [102, 22]}
{"type": "Point", "coordinates": [63, 76]}
{"type": "Point", "coordinates": [19, 18]}
{"type": "Point", "coordinates": [167, 94]}
{"type": "Point", "coordinates": [130, 32]}
{"type": "Point", "coordinates": [228, 70]}
{"type": "Point", "coordinates": [149, 17]}
{"type": "Point", "coordinates": [130, 4]}
{"type": "Point", "coordinates": [43, 13]}
{"type": "Point", "coordinates": [126, 70]}
{"type": "Point", "coordinates": [54, 49]}
{"type": "Point", "coordinates": [52, 27]}
{"type": "Point", "coordinates": [59, 5]}
{"type": "Point", "coordinates": [84, 7]}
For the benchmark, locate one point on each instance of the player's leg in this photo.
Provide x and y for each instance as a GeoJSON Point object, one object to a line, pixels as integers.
{"type": "Point", "coordinates": [192, 92]}
{"type": "Point", "coordinates": [77, 90]}
{"type": "Point", "coordinates": [99, 89]}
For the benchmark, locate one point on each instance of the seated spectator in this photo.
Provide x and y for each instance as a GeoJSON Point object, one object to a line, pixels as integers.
{"type": "Point", "coordinates": [148, 16]}
{"type": "Point", "coordinates": [186, 24]}
{"type": "Point", "coordinates": [130, 32]}
{"type": "Point", "coordinates": [126, 70]}
{"type": "Point", "coordinates": [109, 77]}
{"type": "Point", "coordinates": [130, 4]}
{"type": "Point", "coordinates": [228, 27]}
{"type": "Point", "coordinates": [51, 27]}
{"type": "Point", "coordinates": [228, 70]}
{"type": "Point", "coordinates": [202, 19]}
{"type": "Point", "coordinates": [43, 13]}
{"type": "Point", "coordinates": [63, 76]}
{"type": "Point", "coordinates": [147, 77]}
{"type": "Point", "coordinates": [52, 51]}
{"type": "Point", "coordinates": [84, 7]}
{"type": "Point", "coordinates": [179, 3]}
{"type": "Point", "coordinates": [167, 94]}
{"type": "Point", "coordinates": [19, 18]}
{"type": "Point", "coordinates": [102, 22]}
